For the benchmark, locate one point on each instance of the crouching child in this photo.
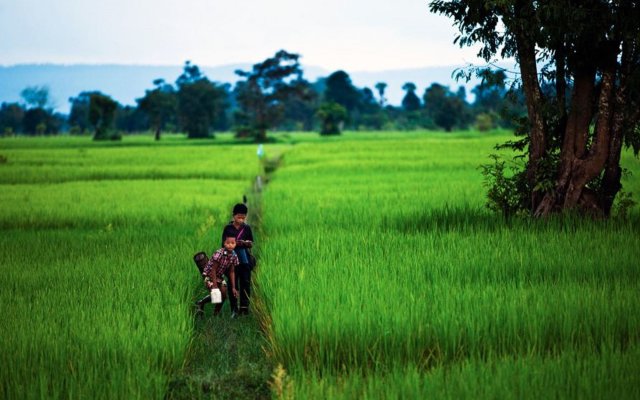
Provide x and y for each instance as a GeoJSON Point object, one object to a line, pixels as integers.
{"type": "Point", "coordinates": [222, 262]}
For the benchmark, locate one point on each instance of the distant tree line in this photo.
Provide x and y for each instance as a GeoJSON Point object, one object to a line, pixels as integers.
{"type": "Point", "coordinates": [272, 96]}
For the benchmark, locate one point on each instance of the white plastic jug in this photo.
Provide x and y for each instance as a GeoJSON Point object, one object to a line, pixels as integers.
{"type": "Point", "coordinates": [216, 296]}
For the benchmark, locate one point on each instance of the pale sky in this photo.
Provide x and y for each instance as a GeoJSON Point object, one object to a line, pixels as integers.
{"type": "Point", "coordinates": [354, 35]}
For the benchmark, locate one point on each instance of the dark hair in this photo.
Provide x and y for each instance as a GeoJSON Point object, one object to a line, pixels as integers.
{"type": "Point", "coordinates": [229, 236]}
{"type": "Point", "coordinates": [240, 209]}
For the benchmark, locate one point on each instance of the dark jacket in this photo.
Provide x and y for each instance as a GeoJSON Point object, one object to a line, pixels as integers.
{"type": "Point", "coordinates": [247, 234]}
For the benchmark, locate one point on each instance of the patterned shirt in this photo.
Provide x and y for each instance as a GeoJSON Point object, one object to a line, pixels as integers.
{"type": "Point", "coordinates": [226, 259]}
{"type": "Point", "coordinates": [242, 233]}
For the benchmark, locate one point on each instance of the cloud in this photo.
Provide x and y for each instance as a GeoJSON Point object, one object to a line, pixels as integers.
{"type": "Point", "coordinates": [355, 35]}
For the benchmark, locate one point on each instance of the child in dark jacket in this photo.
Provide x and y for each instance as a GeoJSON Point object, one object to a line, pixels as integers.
{"type": "Point", "coordinates": [238, 228]}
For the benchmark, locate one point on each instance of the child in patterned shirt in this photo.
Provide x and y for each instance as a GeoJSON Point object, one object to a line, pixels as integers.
{"type": "Point", "coordinates": [222, 262]}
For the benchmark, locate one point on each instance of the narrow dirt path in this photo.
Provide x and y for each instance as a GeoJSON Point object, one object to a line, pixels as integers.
{"type": "Point", "coordinates": [226, 359]}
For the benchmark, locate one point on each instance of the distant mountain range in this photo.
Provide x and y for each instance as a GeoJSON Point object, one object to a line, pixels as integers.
{"type": "Point", "coordinates": [125, 83]}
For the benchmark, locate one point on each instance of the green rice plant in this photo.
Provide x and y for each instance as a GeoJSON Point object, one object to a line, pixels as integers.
{"type": "Point", "coordinates": [34, 165]}
{"type": "Point", "coordinates": [570, 375]}
{"type": "Point", "coordinates": [97, 282]}
{"type": "Point", "coordinates": [380, 253]}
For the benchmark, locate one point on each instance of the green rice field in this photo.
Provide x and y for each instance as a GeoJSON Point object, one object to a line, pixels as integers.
{"type": "Point", "coordinates": [381, 273]}
{"type": "Point", "coordinates": [97, 280]}
{"type": "Point", "coordinates": [385, 277]}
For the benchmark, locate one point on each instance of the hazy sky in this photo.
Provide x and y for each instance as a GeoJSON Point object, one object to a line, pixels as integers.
{"type": "Point", "coordinates": [354, 35]}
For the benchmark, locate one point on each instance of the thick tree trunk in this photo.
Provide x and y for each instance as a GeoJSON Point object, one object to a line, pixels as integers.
{"type": "Point", "coordinates": [580, 165]}
{"type": "Point", "coordinates": [261, 136]}
{"type": "Point", "coordinates": [592, 166]}
{"type": "Point", "coordinates": [561, 88]}
{"type": "Point", "coordinates": [157, 133]}
{"type": "Point", "coordinates": [574, 142]}
{"type": "Point", "coordinates": [526, 47]}
{"type": "Point", "coordinates": [611, 184]}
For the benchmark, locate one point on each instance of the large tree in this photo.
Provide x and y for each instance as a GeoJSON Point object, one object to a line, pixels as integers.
{"type": "Point", "coordinates": [200, 102]}
{"type": "Point", "coordinates": [592, 46]}
{"type": "Point", "coordinates": [159, 105]}
{"type": "Point", "coordinates": [410, 101]}
{"type": "Point", "coordinates": [381, 87]}
{"type": "Point", "coordinates": [39, 118]}
{"type": "Point", "coordinates": [340, 89]}
{"type": "Point", "coordinates": [102, 112]}
{"type": "Point", "coordinates": [262, 95]}
{"type": "Point", "coordinates": [79, 114]}
{"type": "Point", "coordinates": [131, 119]}
{"type": "Point", "coordinates": [332, 116]}
{"type": "Point", "coordinates": [36, 96]}
{"type": "Point", "coordinates": [11, 116]}
{"type": "Point", "coordinates": [299, 111]}
{"type": "Point", "coordinates": [445, 108]}
{"type": "Point", "coordinates": [490, 94]}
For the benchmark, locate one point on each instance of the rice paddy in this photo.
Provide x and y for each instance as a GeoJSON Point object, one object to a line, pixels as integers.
{"type": "Point", "coordinates": [384, 276]}
{"type": "Point", "coordinates": [381, 274]}
{"type": "Point", "coordinates": [97, 280]}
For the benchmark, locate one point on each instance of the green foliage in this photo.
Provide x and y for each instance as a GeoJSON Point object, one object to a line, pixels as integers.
{"type": "Point", "coordinates": [131, 119]}
{"type": "Point", "coordinates": [493, 99]}
{"type": "Point", "coordinates": [506, 190]}
{"type": "Point", "coordinates": [36, 96]}
{"type": "Point", "coordinates": [79, 114]}
{"type": "Point", "coordinates": [624, 204]}
{"type": "Point", "coordinates": [485, 122]}
{"type": "Point", "coordinates": [39, 121]}
{"type": "Point", "coordinates": [446, 109]}
{"type": "Point", "coordinates": [266, 89]}
{"type": "Point", "coordinates": [381, 87]}
{"type": "Point", "coordinates": [11, 116]}
{"type": "Point", "coordinates": [332, 117]}
{"type": "Point", "coordinates": [160, 105]}
{"type": "Point", "coordinates": [200, 102]}
{"type": "Point", "coordinates": [339, 89]}
{"type": "Point", "coordinates": [37, 118]}
{"type": "Point", "coordinates": [410, 101]}
{"type": "Point", "coordinates": [364, 111]}
{"type": "Point", "coordinates": [299, 110]}
{"type": "Point", "coordinates": [102, 112]}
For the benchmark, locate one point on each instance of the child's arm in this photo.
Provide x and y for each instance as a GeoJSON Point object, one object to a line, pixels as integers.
{"type": "Point", "coordinates": [232, 278]}
{"type": "Point", "coordinates": [210, 274]}
{"type": "Point", "coordinates": [247, 237]}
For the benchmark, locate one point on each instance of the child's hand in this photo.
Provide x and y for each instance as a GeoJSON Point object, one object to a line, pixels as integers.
{"type": "Point", "coordinates": [210, 284]}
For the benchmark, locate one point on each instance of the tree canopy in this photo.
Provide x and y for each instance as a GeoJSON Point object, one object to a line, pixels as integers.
{"type": "Point", "coordinates": [36, 96]}
{"type": "Point", "coordinates": [445, 108]}
{"type": "Point", "coordinates": [340, 89]}
{"type": "Point", "coordinates": [332, 116]}
{"type": "Point", "coordinates": [159, 105]}
{"type": "Point", "coordinates": [102, 111]}
{"type": "Point", "coordinates": [261, 96]}
{"type": "Point", "coordinates": [200, 102]}
{"type": "Point", "coordinates": [410, 101]}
